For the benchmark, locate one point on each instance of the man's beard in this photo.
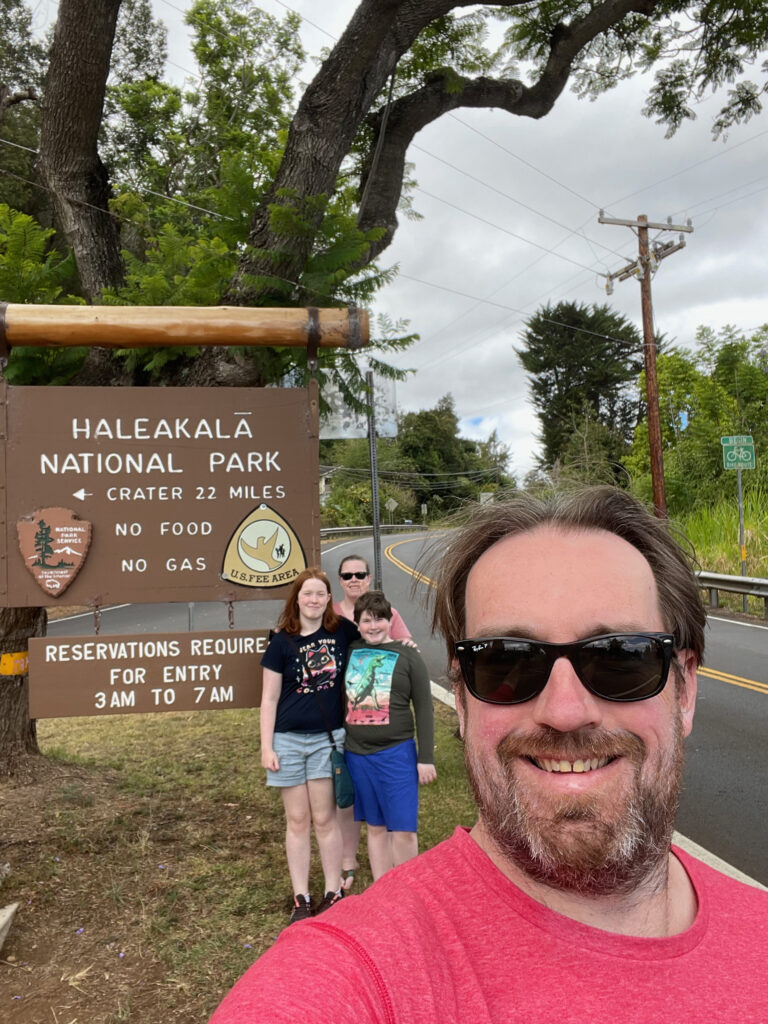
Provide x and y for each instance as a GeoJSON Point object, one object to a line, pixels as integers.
{"type": "Point", "coordinates": [580, 843]}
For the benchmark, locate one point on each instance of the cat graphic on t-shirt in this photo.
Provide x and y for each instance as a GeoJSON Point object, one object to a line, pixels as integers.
{"type": "Point", "coordinates": [322, 666]}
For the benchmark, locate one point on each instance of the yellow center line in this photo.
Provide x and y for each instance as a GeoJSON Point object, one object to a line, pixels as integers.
{"type": "Point", "coordinates": [710, 673]}
{"type": "Point", "coordinates": [727, 677]}
{"type": "Point", "coordinates": [406, 568]}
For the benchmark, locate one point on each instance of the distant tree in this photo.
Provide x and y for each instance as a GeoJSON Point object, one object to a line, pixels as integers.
{"type": "Point", "coordinates": [22, 63]}
{"type": "Point", "coordinates": [350, 504]}
{"type": "Point", "coordinates": [430, 439]}
{"type": "Point", "coordinates": [583, 363]}
{"type": "Point", "coordinates": [590, 454]}
{"type": "Point", "coordinates": [428, 461]}
{"type": "Point", "coordinates": [719, 389]}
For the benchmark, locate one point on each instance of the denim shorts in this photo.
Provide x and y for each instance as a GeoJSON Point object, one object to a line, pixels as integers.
{"type": "Point", "coordinates": [302, 756]}
{"type": "Point", "coordinates": [387, 787]}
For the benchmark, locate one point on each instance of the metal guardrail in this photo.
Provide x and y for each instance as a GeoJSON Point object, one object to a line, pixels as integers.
{"type": "Point", "coordinates": [342, 531]}
{"type": "Point", "coordinates": [752, 586]}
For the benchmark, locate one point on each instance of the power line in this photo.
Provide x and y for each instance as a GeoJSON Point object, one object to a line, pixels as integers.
{"type": "Point", "coordinates": [304, 18]}
{"type": "Point", "coordinates": [730, 202]}
{"type": "Point", "coordinates": [121, 218]}
{"type": "Point", "coordinates": [499, 305]}
{"type": "Point", "coordinates": [716, 156]}
{"type": "Point", "coordinates": [720, 195]}
{"type": "Point", "coordinates": [506, 231]}
{"type": "Point", "coordinates": [123, 186]}
{"type": "Point", "coordinates": [527, 163]}
{"type": "Point", "coordinates": [16, 145]}
{"type": "Point", "coordinates": [506, 195]}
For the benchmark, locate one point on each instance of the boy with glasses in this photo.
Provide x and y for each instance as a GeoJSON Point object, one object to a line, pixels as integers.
{"type": "Point", "coordinates": [574, 631]}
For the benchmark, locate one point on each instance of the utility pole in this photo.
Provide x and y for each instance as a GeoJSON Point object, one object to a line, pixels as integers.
{"type": "Point", "coordinates": [648, 260]}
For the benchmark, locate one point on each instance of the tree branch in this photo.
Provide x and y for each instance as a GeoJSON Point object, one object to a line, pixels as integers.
{"type": "Point", "coordinates": [443, 93]}
{"type": "Point", "coordinates": [321, 134]}
{"type": "Point", "coordinates": [8, 98]}
{"type": "Point", "coordinates": [339, 98]}
{"type": "Point", "coordinates": [447, 91]}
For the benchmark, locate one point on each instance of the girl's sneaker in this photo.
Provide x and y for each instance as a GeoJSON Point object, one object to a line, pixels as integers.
{"type": "Point", "coordinates": [302, 907]}
{"type": "Point", "coordinates": [328, 900]}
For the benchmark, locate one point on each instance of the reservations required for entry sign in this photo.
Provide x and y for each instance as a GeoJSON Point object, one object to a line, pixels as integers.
{"type": "Point", "coordinates": [121, 675]}
{"type": "Point", "coordinates": [156, 494]}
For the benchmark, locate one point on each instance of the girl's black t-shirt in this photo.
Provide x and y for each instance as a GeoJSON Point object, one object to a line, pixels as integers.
{"type": "Point", "coordinates": [298, 710]}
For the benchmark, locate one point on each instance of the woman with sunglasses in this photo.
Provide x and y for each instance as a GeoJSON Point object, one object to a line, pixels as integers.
{"type": "Point", "coordinates": [355, 580]}
{"type": "Point", "coordinates": [302, 701]}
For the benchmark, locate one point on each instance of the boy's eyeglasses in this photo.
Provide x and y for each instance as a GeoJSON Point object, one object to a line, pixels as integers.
{"type": "Point", "coordinates": [353, 575]}
{"type": "Point", "coordinates": [616, 666]}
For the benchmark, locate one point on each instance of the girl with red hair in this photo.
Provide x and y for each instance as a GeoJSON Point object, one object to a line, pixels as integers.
{"type": "Point", "coordinates": [302, 700]}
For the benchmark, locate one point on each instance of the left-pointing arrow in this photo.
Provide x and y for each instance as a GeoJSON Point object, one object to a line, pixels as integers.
{"type": "Point", "coordinates": [82, 494]}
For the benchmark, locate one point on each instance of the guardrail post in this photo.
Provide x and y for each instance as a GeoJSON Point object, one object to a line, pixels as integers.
{"type": "Point", "coordinates": [713, 598]}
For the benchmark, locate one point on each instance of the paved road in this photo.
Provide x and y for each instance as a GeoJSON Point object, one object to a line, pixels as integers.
{"type": "Point", "coordinates": [724, 805]}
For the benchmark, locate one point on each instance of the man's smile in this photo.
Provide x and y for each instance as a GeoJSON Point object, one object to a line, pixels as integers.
{"type": "Point", "coordinates": [586, 764]}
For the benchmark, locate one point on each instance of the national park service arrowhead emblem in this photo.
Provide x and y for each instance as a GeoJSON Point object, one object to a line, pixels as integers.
{"type": "Point", "coordinates": [264, 551]}
{"type": "Point", "coordinates": [54, 543]}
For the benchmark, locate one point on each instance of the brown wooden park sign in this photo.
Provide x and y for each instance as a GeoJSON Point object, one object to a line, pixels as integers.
{"type": "Point", "coordinates": [157, 495]}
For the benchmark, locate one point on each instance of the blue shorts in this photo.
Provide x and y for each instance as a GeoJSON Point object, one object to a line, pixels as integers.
{"type": "Point", "coordinates": [302, 756]}
{"type": "Point", "coordinates": [387, 787]}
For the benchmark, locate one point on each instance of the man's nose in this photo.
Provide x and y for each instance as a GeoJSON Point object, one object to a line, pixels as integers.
{"type": "Point", "coordinates": [565, 703]}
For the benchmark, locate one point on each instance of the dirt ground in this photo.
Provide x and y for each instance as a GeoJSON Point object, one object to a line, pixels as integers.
{"type": "Point", "coordinates": [147, 859]}
{"type": "Point", "coordinates": [53, 968]}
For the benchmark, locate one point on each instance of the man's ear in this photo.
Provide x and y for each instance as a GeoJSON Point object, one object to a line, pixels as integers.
{"type": "Point", "coordinates": [687, 686]}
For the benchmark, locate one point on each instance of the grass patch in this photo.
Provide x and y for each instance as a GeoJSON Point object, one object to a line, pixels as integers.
{"type": "Point", "coordinates": [714, 533]}
{"type": "Point", "coordinates": [150, 851]}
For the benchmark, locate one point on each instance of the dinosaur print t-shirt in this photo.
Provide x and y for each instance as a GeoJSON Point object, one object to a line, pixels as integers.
{"type": "Point", "coordinates": [382, 682]}
{"type": "Point", "coordinates": [298, 709]}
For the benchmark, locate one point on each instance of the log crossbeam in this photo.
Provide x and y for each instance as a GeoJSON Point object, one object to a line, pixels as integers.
{"type": "Point", "coordinates": [172, 326]}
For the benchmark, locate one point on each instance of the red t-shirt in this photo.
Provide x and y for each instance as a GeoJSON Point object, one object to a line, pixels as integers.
{"type": "Point", "coordinates": [447, 939]}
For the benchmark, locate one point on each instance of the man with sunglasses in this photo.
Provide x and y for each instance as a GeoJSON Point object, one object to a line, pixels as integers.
{"type": "Point", "coordinates": [574, 631]}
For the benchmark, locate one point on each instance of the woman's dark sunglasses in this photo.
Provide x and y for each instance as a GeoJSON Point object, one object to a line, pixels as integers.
{"type": "Point", "coordinates": [615, 666]}
{"type": "Point", "coordinates": [353, 575]}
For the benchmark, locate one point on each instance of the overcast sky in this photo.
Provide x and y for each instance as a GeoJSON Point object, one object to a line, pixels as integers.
{"type": "Point", "coordinates": [510, 210]}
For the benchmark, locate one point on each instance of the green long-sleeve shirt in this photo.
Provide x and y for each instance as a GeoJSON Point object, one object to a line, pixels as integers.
{"type": "Point", "coordinates": [382, 683]}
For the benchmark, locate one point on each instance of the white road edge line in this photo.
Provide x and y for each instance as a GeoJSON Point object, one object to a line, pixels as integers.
{"type": "Point", "coordinates": [737, 622]}
{"type": "Point", "coordinates": [81, 615]}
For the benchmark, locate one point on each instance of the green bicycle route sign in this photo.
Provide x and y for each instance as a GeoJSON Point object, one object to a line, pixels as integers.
{"type": "Point", "coordinates": [738, 451]}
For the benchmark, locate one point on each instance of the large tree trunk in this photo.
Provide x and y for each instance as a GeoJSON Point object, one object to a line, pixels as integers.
{"type": "Point", "coordinates": [18, 734]}
{"type": "Point", "coordinates": [69, 164]}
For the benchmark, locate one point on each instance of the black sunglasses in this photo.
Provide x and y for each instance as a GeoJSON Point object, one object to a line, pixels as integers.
{"type": "Point", "coordinates": [616, 666]}
{"type": "Point", "coordinates": [353, 575]}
